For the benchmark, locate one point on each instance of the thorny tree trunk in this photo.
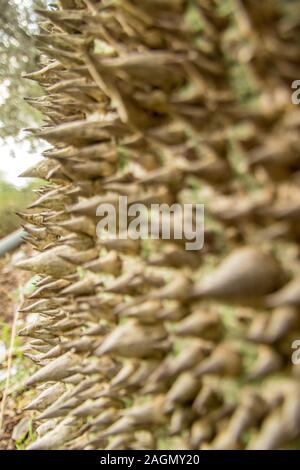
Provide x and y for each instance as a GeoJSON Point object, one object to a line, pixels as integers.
{"type": "Point", "coordinates": [138, 346]}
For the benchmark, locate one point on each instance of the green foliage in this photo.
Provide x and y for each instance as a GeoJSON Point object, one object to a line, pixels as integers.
{"type": "Point", "coordinates": [27, 438]}
{"type": "Point", "coordinates": [22, 367]}
{"type": "Point", "coordinates": [12, 200]}
{"type": "Point", "coordinates": [17, 56]}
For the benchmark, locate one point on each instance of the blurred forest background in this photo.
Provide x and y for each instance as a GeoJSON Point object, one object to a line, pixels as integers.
{"type": "Point", "coordinates": [18, 56]}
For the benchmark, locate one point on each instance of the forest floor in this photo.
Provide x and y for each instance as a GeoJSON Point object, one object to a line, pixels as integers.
{"type": "Point", "coordinates": [16, 426]}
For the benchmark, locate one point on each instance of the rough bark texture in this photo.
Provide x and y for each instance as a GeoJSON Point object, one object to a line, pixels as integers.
{"type": "Point", "coordinates": [141, 344]}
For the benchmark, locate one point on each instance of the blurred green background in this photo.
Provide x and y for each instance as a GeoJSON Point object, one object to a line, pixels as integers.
{"type": "Point", "coordinates": [18, 55]}
{"type": "Point", "coordinates": [12, 200]}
